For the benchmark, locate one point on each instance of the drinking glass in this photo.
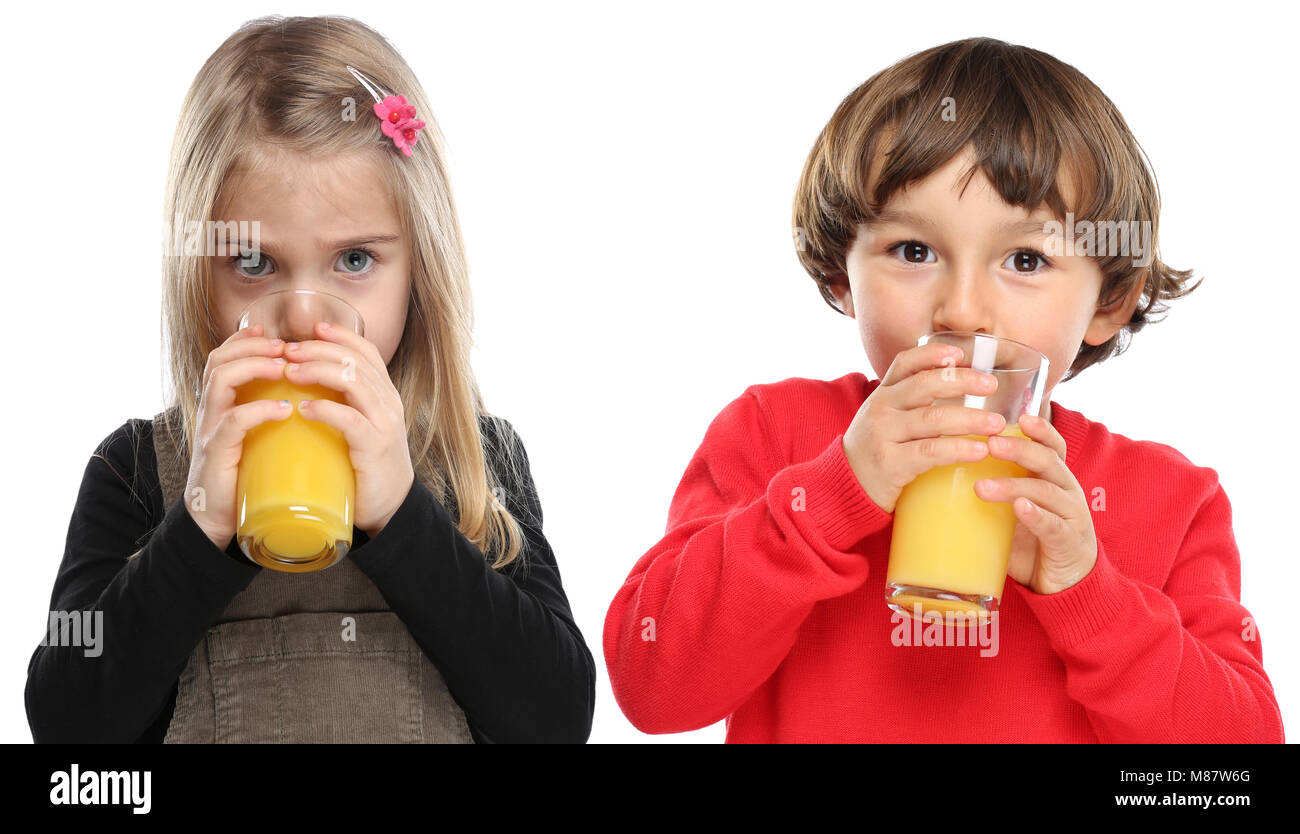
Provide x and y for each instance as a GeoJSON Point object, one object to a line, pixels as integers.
{"type": "Point", "coordinates": [950, 548]}
{"type": "Point", "coordinates": [296, 490]}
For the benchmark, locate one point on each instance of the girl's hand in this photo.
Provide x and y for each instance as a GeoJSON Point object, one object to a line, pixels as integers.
{"type": "Point", "coordinates": [1055, 544]}
{"type": "Point", "coordinates": [373, 422]}
{"type": "Point", "coordinates": [221, 426]}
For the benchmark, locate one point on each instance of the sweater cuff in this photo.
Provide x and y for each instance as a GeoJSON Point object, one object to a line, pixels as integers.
{"type": "Point", "coordinates": [192, 547]}
{"type": "Point", "coordinates": [835, 504]}
{"type": "Point", "coordinates": [1075, 615]}
{"type": "Point", "coordinates": [377, 556]}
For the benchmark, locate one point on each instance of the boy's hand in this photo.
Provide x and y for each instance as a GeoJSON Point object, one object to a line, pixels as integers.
{"type": "Point", "coordinates": [1055, 544]}
{"type": "Point", "coordinates": [898, 432]}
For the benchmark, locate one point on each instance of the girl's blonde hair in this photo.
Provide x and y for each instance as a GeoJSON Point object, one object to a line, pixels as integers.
{"type": "Point", "coordinates": [282, 82]}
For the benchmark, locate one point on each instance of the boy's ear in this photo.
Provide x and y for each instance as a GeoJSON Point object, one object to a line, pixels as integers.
{"type": "Point", "coordinates": [838, 284]}
{"type": "Point", "coordinates": [1108, 321]}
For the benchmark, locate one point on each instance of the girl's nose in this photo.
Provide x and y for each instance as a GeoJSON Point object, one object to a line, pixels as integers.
{"type": "Point", "coordinates": [299, 322]}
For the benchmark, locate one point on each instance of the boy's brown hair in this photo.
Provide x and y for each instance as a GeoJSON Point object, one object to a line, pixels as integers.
{"type": "Point", "coordinates": [1030, 119]}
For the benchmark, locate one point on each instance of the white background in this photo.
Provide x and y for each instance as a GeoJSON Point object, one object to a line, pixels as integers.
{"type": "Point", "coordinates": [624, 177]}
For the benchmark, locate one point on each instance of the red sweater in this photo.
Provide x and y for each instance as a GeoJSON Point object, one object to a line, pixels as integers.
{"type": "Point", "coordinates": [769, 612]}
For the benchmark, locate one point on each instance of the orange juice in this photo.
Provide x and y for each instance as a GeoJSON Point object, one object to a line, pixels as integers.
{"type": "Point", "coordinates": [948, 539]}
{"type": "Point", "coordinates": [296, 489]}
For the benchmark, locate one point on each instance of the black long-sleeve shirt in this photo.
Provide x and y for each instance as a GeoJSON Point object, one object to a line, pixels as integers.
{"type": "Point", "coordinates": [504, 640]}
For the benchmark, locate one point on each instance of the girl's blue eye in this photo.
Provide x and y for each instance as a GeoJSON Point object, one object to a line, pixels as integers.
{"type": "Point", "coordinates": [245, 269]}
{"type": "Point", "coordinates": [1032, 259]}
{"type": "Point", "coordinates": [238, 260]}
{"type": "Point", "coordinates": [362, 251]}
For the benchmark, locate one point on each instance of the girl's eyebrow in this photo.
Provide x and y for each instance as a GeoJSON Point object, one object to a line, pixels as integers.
{"type": "Point", "coordinates": [907, 218]}
{"type": "Point", "coordinates": [272, 246]}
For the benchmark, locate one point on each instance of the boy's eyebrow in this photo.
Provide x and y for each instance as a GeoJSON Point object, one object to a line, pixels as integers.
{"type": "Point", "coordinates": [907, 218]}
{"type": "Point", "coordinates": [272, 246]}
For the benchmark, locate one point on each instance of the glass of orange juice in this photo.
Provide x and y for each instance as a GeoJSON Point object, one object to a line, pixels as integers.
{"type": "Point", "coordinates": [950, 548]}
{"type": "Point", "coordinates": [296, 490]}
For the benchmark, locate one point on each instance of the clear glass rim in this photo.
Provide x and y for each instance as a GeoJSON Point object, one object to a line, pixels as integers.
{"type": "Point", "coordinates": [260, 298]}
{"type": "Point", "coordinates": [1035, 351]}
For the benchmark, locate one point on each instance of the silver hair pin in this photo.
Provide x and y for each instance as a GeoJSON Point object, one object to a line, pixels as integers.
{"type": "Point", "coordinates": [374, 89]}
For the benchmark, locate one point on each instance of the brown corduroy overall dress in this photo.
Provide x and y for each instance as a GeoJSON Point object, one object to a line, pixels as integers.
{"type": "Point", "coordinates": [277, 667]}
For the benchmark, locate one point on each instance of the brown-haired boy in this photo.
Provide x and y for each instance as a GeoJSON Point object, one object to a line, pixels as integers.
{"type": "Point", "coordinates": [931, 202]}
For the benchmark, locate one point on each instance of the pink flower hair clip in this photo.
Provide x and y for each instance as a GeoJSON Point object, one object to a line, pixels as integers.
{"type": "Point", "coordinates": [397, 118]}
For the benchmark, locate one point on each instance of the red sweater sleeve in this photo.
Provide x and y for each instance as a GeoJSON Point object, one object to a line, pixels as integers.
{"type": "Point", "coordinates": [1178, 664]}
{"type": "Point", "coordinates": [709, 613]}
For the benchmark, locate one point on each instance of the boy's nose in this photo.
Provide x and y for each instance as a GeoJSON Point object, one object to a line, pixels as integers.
{"type": "Point", "coordinates": [967, 317]}
{"type": "Point", "coordinates": [961, 302]}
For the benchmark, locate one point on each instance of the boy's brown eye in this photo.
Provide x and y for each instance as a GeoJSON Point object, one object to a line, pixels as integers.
{"type": "Point", "coordinates": [1025, 261]}
{"type": "Point", "coordinates": [914, 252]}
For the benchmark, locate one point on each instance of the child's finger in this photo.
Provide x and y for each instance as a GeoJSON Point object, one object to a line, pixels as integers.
{"type": "Point", "coordinates": [1037, 428]}
{"type": "Point", "coordinates": [235, 424]}
{"type": "Point", "coordinates": [360, 390]}
{"type": "Point", "coordinates": [1036, 457]}
{"type": "Point", "coordinates": [912, 360]}
{"type": "Point", "coordinates": [352, 424]}
{"type": "Point", "coordinates": [342, 335]}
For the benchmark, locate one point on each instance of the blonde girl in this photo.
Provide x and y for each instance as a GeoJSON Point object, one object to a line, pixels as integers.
{"type": "Point", "coordinates": [448, 620]}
